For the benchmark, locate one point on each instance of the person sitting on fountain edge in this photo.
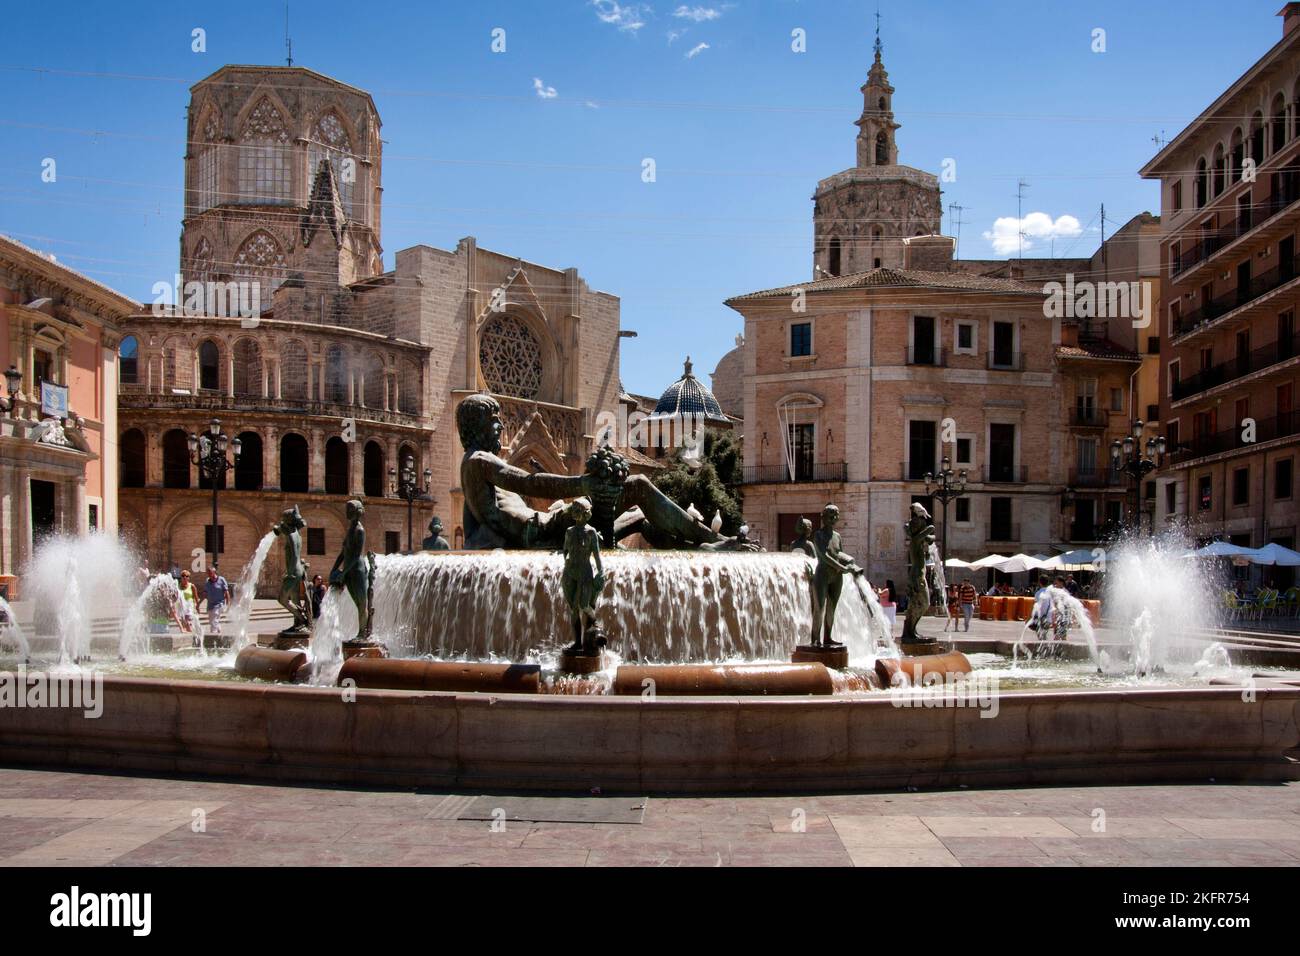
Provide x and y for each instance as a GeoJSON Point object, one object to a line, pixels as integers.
{"type": "Point", "coordinates": [496, 515]}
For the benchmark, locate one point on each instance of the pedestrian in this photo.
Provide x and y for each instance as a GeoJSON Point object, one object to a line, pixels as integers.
{"type": "Point", "coordinates": [1072, 586]}
{"type": "Point", "coordinates": [317, 595]}
{"type": "Point", "coordinates": [185, 612]}
{"type": "Point", "coordinates": [216, 592]}
{"type": "Point", "coordinates": [966, 596]}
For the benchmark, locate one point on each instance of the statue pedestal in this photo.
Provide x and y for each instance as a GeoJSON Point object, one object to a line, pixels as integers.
{"type": "Point", "coordinates": [923, 647]}
{"type": "Point", "coordinates": [285, 641]}
{"type": "Point", "coordinates": [575, 662]}
{"type": "Point", "coordinates": [836, 658]}
{"type": "Point", "coordinates": [353, 649]}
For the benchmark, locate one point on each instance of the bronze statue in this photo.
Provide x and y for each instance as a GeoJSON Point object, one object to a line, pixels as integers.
{"type": "Point", "coordinates": [828, 579]}
{"type": "Point", "coordinates": [293, 596]}
{"type": "Point", "coordinates": [496, 515]}
{"type": "Point", "coordinates": [435, 541]}
{"type": "Point", "coordinates": [920, 536]}
{"type": "Point", "coordinates": [354, 569]}
{"type": "Point", "coordinates": [802, 542]}
{"type": "Point", "coordinates": [584, 577]}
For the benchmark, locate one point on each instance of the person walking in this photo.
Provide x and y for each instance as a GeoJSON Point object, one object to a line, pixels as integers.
{"type": "Point", "coordinates": [966, 596]}
{"type": "Point", "coordinates": [216, 592]}
{"type": "Point", "coordinates": [185, 612]}
{"type": "Point", "coordinates": [317, 595]}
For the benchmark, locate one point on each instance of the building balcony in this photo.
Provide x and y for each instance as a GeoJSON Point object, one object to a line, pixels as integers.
{"type": "Point", "coordinates": [1232, 303]}
{"type": "Point", "coordinates": [1096, 478]}
{"type": "Point", "coordinates": [138, 398]}
{"type": "Point", "coordinates": [1007, 475]}
{"type": "Point", "coordinates": [1229, 440]}
{"type": "Point", "coordinates": [999, 361]}
{"type": "Point", "coordinates": [1000, 533]}
{"type": "Point", "coordinates": [1089, 416]}
{"type": "Point", "coordinates": [933, 356]}
{"type": "Point", "coordinates": [1258, 360]}
{"type": "Point", "coordinates": [801, 474]}
{"type": "Point", "coordinates": [1188, 263]}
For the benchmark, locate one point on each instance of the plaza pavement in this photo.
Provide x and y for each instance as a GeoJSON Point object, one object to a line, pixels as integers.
{"type": "Point", "coordinates": [58, 818]}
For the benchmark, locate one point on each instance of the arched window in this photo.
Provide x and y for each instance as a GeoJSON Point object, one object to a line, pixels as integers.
{"type": "Point", "coordinates": [204, 481]}
{"type": "Point", "coordinates": [248, 470]}
{"type": "Point", "coordinates": [374, 470]}
{"type": "Point", "coordinates": [336, 375]}
{"type": "Point", "coordinates": [833, 259]}
{"type": "Point", "coordinates": [409, 389]}
{"type": "Point", "coordinates": [260, 259]}
{"type": "Point", "coordinates": [264, 156]}
{"type": "Point", "coordinates": [293, 371]}
{"type": "Point", "coordinates": [293, 463]}
{"type": "Point", "coordinates": [248, 367]}
{"type": "Point", "coordinates": [511, 357]}
{"type": "Point", "coordinates": [176, 459]}
{"type": "Point", "coordinates": [1279, 123]}
{"type": "Point", "coordinates": [374, 373]}
{"type": "Point", "coordinates": [1220, 169]}
{"type": "Point", "coordinates": [336, 467]}
{"type": "Point", "coordinates": [131, 452]}
{"type": "Point", "coordinates": [1202, 182]}
{"type": "Point", "coordinates": [882, 149]}
{"type": "Point", "coordinates": [128, 367]}
{"type": "Point", "coordinates": [206, 152]}
{"type": "Point", "coordinates": [329, 140]}
{"type": "Point", "coordinates": [1236, 154]}
{"type": "Point", "coordinates": [1257, 137]}
{"type": "Point", "coordinates": [209, 366]}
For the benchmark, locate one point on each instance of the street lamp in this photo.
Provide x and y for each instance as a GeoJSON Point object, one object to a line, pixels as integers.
{"type": "Point", "coordinates": [1128, 457]}
{"type": "Point", "coordinates": [208, 451]}
{"type": "Point", "coordinates": [949, 485]}
{"type": "Point", "coordinates": [408, 489]}
{"type": "Point", "coordinates": [13, 379]}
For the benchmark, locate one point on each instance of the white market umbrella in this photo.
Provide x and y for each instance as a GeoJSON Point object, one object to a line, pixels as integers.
{"type": "Point", "coordinates": [1225, 549]}
{"type": "Point", "coordinates": [957, 563]}
{"type": "Point", "coordinates": [1019, 562]}
{"type": "Point", "coordinates": [989, 561]}
{"type": "Point", "coordinates": [1274, 554]}
{"type": "Point", "coordinates": [1078, 560]}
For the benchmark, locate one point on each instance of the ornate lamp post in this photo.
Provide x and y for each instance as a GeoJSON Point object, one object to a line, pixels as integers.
{"type": "Point", "coordinates": [406, 487]}
{"type": "Point", "coordinates": [948, 486]}
{"type": "Point", "coordinates": [1128, 458]}
{"type": "Point", "coordinates": [208, 451]}
{"type": "Point", "coordinates": [13, 379]}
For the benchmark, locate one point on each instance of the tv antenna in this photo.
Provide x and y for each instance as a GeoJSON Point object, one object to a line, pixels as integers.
{"type": "Point", "coordinates": [288, 40]}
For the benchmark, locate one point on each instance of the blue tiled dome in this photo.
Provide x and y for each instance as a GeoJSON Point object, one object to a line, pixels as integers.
{"type": "Point", "coordinates": [688, 395]}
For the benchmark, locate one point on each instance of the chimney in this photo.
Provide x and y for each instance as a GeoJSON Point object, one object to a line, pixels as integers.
{"type": "Point", "coordinates": [930, 253]}
{"type": "Point", "coordinates": [1290, 15]}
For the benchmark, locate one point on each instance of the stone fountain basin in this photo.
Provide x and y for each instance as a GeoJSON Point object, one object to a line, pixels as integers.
{"type": "Point", "coordinates": [714, 744]}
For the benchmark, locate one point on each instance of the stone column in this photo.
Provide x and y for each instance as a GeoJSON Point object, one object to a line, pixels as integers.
{"type": "Point", "coordinates": [316, 463]}
{"type": "Point", "coordinates": [230, 373]}
{"type": "Point", "coordinates": [357, 477]}
{"type": "Point", "coordinates": [270, 458]}
{"type": "Point", "coordinates": [266, 371]}
{"type": "Point", "coordinates": [22, 509]}
{"type": "Point", "coordinates": [279, 379]}
{"type": "Point", "coordinates": [152, 458]}
{"type": "Point", "coordinates": [81, 519]}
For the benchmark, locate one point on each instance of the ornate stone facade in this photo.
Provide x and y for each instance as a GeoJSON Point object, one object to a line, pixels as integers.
{"type": "Point", "coordinates": [348, 368]}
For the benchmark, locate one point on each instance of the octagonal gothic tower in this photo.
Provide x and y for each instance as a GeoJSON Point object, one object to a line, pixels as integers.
{"type": "Point", "coordinates": [282, 178]}
{"type": "Point", "coordinates": [862, 215]}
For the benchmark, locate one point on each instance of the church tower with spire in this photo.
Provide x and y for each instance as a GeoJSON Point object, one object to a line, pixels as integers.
{"type": "Point", "coordinates": [863, 215]}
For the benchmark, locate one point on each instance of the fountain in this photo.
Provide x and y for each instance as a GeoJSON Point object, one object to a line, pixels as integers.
{"type": "Point", "coordinates": [246, 590]}
{"type": "Point", "coordinates": [11, 635]}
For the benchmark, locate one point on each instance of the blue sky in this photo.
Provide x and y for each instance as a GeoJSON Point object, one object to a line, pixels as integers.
{"type": "Point", "coordinates": [740, 132]}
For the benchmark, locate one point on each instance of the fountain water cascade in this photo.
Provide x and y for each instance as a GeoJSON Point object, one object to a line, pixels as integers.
{"type": "Point", "coordinates": [661, 607]}
{"type": "Point", "coordinates": [245, 590]}
{"type": "Point", "coordinates": [153, 603]}
{"type": "Point", "coordinates": [11, 635]}
{"type": "Point", "coordinates": [71, 581]}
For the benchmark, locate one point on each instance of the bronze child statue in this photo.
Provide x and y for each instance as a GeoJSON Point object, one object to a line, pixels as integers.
{"type": "Point", "coordinates": [920, 536]}
{"type": "Point", "coordinates": [435, 541]}
{"type": "Point", "coordinates": [584, 577]}
{"type": "Point", "coordinates": [292, 595]}
{"type": "Point", "coordinates": [828, 579]}
{"type": "Point", "coordinates": [353, 569]}
{"type": "Point", "coordinates": [803, 534]}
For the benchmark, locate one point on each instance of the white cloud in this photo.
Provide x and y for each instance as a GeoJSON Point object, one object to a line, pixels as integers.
{"type": "Point", "coordinates": [1038, 228]}
{"type": "Point", "coordinates": [674, 36]}
{"type": "Point", "coordinates": [628, 17]}
{"type": "Point", "coordinates": [696, 50]}
{"type": "Point", "coordinates": [544, 91]}
{"type": "Point", "coordinates": [697, 14]}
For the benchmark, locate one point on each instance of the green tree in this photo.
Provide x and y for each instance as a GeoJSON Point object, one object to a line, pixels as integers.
{"type": "Point", "coordinates": [713, 486]}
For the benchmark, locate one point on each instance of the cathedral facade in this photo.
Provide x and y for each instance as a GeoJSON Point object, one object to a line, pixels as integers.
{"type": "Point", "coordinates": [344, 373]}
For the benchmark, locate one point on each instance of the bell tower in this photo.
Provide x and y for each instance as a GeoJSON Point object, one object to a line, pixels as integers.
{"type": "Point", "coordinates": [863, 215]}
